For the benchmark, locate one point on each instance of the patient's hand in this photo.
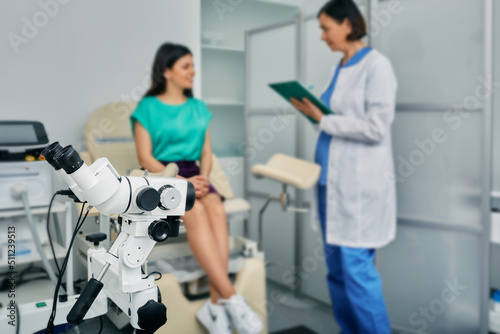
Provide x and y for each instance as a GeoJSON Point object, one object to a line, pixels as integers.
{"type": "Point", "coordinates": [200, 184]}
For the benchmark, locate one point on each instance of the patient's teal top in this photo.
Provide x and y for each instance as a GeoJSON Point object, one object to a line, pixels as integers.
{"type": "Point", "coordinates": [177, 131]}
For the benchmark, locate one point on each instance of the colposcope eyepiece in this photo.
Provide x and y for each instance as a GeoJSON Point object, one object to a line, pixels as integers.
{"type": "Point", "coordinates": [49, 152]}
{"type": "Point", "coordinates": [69, 159]}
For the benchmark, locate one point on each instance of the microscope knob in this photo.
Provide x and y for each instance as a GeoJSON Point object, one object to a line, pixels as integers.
{"type": "Point", "coordinates": [170, 197]}
{"type": "Point", "coordinates": [96, 238]}
{"type": "Point", "coordinates": [152, 316]}
{"type": "Point", "coordinates": [148, 199]}
{"type": "Point", "coordinates": [159, 230]}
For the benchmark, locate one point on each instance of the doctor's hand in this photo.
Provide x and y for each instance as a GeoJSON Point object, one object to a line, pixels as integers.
{"type": "Point", "coordinates": [201, 185]}
{"type": "Point", "coordinates": [308, 108]}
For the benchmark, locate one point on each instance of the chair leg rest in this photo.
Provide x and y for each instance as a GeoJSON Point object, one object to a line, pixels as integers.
{"type": "Point", "coordinates": [181, 313]}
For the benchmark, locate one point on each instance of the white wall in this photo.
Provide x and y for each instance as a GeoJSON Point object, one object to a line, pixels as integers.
{"type": "Point", "coordinates": [312, 6]}
{"type": "Point", "coordinates": [83, 55]}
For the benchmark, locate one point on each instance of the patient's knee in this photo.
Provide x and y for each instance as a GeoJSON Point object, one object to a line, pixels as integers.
{"type": "Point", "coordinates": [197, 210]}
{"type": "Point", "coordinates": [215, 203]}
{"type": "Point", "coordinates": [219, 210]}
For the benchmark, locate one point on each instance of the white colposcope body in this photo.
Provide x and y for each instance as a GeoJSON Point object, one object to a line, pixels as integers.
{"type": "Point", "coordinates": [150, 209]}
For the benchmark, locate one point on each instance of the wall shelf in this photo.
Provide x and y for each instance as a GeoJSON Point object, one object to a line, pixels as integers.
{"type": "Point", "coordinates": [225, 103]}
{"type": "Point", "coordinates": [221, 48]}
{"type": "Point", "coordinates": [223, 76]}
{"type": "Point", "coordinates": [293, 3]}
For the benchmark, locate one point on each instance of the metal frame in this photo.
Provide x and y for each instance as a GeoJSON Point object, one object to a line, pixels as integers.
{"type": "Point", "coordinates": [487, 175]}
{"type": "Point", "coordinates": [440, 225]}
{"type": "Point", "coordinates": [270, 112]}
{"type": "Point", "coordinates": [248, 112]}
{"type": "Point", "coordinates": [300, 152]}
{"type": "Point", "coordinates": [439, 107]}
{"type": "Point", "coordinates": [495, 201]}
{"type": "Point", "coordinates": [253, 112]}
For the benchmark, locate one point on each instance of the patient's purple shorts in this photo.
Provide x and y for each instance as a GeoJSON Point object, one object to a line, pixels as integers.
{"type": "Point", "coordinates": [189, 169]}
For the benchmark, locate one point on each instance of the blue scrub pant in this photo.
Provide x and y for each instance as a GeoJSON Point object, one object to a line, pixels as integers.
{"type": "Point", "coordinates": [354, 284]}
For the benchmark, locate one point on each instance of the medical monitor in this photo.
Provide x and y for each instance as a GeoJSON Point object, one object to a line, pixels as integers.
{"type": "Point", "coordinates": [22, 133]}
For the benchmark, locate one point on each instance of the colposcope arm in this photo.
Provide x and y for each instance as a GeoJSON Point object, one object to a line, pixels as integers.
{"type": "Point", "coordinates": [124, 283]}
{"type": "Point", "coordinates": [93, 287]}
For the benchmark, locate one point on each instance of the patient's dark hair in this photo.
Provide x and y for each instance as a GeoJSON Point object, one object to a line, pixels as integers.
{"type": "Point", "coordinates": [166, 56]}
{"type": "Point", "coordinates": [339, 10]}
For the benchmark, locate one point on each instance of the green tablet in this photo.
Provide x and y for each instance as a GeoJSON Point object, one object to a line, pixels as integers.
{"type": "Point", "coordinates": [289, 89]}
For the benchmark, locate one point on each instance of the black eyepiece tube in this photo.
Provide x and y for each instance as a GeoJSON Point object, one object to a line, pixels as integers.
{"type": "Point", "coordinates": [191, 196]}
{"type": "Point", "coordinates": [69, 159]}
{"type": "Point", "coordinates": [49, 152]}
{"type": "Point", "coordinates": [84, 302]}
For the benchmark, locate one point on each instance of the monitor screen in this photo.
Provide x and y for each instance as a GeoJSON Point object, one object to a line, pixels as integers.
{"type": "Point", "coordinates": [17, 134]}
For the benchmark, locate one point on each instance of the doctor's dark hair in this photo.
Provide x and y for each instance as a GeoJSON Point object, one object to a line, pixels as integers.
{"type": "Point", "coordinates": [166, 57]}
{"type": "Point", "coordinates": [339, 10]}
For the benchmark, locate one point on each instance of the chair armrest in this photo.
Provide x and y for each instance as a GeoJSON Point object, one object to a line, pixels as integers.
{"type": "Point", "coordinates": [169, 171]}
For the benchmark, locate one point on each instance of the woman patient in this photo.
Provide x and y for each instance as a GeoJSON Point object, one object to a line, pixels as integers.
{"type": "Point", "coordinates": [170, 125]}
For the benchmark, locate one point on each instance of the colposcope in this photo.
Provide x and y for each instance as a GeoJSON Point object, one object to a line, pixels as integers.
{"type": "Point", "coordinates": [150, 209]}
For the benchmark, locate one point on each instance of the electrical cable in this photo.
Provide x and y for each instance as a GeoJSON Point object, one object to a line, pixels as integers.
{"type": "Point", "coordinates": [20, 279]}
{"type": "Point", "coordinates": [4, 285]}
{"type": "Point", "coordinates": [152, 273]}
{"type": "Point", "coordinates": [23, 194]}
{"type": "Point", "coordinates": [18, 323]}
{"type": "Point", "coordinates": [50, 237]}
{"type": "Point", "coordinates": [50, 325]}
{"type": "Point", "coordinates": [70, 194]}
{"type": "Point", "coordinates": [100, 329]}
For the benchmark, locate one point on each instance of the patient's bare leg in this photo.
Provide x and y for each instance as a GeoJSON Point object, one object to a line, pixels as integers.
{"type": "Point", "coordinates": [204, 247]}
{"type": "Point", "coordinates": [218, 223]}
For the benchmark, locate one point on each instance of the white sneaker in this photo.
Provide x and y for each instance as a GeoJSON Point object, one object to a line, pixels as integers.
{"type": "Point", "coordinates": [242, 316]}
{"type": "Point", "coordinates": [214, 318]}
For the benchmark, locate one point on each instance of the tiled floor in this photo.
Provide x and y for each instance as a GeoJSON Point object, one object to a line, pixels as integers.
{"type": "Point", "coordinates": [319, 318]}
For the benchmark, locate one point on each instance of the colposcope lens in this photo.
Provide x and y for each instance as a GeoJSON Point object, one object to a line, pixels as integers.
{"type": "Point", "coordinates": [50, 151]}
{"type": "Point", "coordinates": [69, 159]}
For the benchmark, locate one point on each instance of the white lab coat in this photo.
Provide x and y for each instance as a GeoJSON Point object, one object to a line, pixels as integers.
{"type": "Point", "coordinates": [361, 195]}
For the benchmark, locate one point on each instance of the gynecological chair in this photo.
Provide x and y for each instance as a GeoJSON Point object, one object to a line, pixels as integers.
{"type": "Point", "coordinates": [298, 173]}
{"type": "Point", "coordinates": [108, 134]}
{"type": "Point", "coordinates": [289, 171]}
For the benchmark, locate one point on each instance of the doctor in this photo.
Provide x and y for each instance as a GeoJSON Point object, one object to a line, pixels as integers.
{"type": "Point", "coordinates": [356, 193]}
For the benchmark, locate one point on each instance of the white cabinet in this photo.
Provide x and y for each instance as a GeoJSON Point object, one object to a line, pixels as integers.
{"type": "Point", "coordinates": [15, 230]}
{"type": "Point", "coordinates": [26, 251]}
{"type": "Point", "coordinates": [223, 26]}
